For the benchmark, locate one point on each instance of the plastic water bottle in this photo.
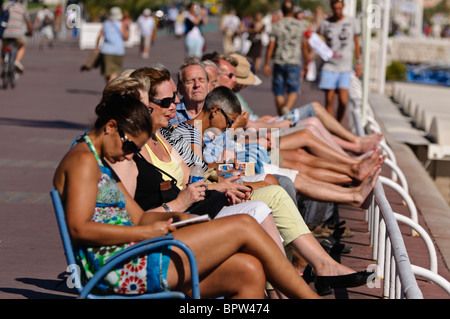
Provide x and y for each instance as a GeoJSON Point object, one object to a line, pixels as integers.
{"type": "Point", "coordinates": [197, 174]}
{"type": "Point", "coordinates": [238, 181]}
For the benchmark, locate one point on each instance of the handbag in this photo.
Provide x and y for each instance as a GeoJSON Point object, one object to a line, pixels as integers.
{"type": "Point", "coordinates": [212, 204]}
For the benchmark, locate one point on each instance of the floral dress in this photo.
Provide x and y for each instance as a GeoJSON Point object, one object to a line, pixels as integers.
{"type": "Point", "coordinates": [142, 274]}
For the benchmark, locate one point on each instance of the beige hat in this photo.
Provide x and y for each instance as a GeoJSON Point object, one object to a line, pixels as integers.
{"type": "Point", "coordinates": [115, 13]}
{"type": "Point", "coordinates": [244, 74]}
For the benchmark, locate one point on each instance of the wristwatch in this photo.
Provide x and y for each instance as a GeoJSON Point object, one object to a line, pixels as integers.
{"type": "Point", "coordinates": [167, 208]}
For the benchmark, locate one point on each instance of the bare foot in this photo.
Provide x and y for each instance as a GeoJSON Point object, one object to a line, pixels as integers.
{"type": "Point", "coordinates": [369, 143]}
{"type": "Point", "coordinates": [362, 169]}
{"type": "Point", "coordinates": [363, 191]}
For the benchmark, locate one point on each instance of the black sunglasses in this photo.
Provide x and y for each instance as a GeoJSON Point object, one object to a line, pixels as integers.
{"type": "Point", "coordinates": [230, 75]}
{"type": "Point", "coordinates": [128, 146]}
{"type": "Point", "coordinates": [165, 102]}
{"type": "Point", "coordinates": [227, 118]}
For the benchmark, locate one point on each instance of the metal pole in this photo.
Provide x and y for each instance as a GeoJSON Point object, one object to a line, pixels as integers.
{"type": "Point", "coordinates": [383, 46]}
{"type": "Point", "coordinates": [366, 63]}
{"type": "Point", "coordinates": [418, 18]}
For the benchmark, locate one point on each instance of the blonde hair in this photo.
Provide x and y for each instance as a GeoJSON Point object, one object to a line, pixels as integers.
{"type": "Point", "coordinates": [125, 85]}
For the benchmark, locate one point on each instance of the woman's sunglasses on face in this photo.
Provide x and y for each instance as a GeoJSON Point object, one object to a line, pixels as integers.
{"type": "Point", "coordinates": [128, 146]}
{"type": "Point", "coordinates": [165, 102]}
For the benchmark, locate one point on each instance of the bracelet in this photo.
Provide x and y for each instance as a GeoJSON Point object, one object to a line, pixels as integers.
{"type": "Point", "coordinates": [358, 61]}
{"type": "Point", "coordinates": [167, 208]}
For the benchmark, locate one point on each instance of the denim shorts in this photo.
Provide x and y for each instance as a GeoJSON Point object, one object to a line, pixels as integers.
{"type": "Point", "coordinates": [334, 80]}
{"type": "Point", "coordinates": [286, 78]}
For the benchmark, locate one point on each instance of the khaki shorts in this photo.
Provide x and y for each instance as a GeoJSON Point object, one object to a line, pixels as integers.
{"type": "Point", "coordinates": [19, 42]}
{"type": "Point", "coordinates": [111, 64]}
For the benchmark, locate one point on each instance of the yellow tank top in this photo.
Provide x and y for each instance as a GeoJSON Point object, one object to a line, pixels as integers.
{"type": "Point", "coordinates": [172, 167]}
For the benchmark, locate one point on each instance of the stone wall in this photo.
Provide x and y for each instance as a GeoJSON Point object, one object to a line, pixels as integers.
{"type": "Point", "coordinates": [419, 50]}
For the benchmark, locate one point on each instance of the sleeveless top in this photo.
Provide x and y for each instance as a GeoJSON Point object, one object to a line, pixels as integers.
{"type": "Point", "coordinates": [172, 167]}
{"type": "Point", "coordinates": [139, 275]}
{"type": "Point", "coordinates": [113, 38]}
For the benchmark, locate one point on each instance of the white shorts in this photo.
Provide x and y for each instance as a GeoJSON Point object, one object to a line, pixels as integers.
{"type": "Point", "coordinates": [257, 209]}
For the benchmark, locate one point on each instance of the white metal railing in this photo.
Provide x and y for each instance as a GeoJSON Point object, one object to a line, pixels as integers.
{"type": "Point", "coordinates": [388, 248]}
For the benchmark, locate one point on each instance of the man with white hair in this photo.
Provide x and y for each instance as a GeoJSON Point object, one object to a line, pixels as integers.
{"type": "Point", "coordinates": [147, 27]}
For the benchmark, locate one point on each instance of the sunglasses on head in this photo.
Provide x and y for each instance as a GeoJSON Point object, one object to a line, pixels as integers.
{"type": "Point", "coordinates": [165, 102]}
{"type": "Point", "coordinates": [128, 146]}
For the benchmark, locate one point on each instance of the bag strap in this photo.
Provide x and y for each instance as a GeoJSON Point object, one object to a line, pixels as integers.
{"type": "Point", "coordinates": [157, 168]}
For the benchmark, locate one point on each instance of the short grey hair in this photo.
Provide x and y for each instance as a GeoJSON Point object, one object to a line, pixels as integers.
{"type": "Point", "coordinates": [188, 62]}
{"type": "Point", "coordinates": [224, 98]}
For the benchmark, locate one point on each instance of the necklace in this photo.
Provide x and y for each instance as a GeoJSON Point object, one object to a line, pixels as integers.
{"type": "Point", "coordinates": [154, 139]}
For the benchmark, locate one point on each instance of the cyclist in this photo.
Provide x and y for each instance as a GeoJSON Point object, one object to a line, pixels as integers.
{"type": "Point", "coordinates": [19, 21]}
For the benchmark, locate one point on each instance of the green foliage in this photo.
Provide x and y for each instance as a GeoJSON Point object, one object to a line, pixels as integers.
{"type": "Point", "coordinates": [250, 7]}
{"type": "Point", "coordinates": [396, 71]}
{"type": "Point", "coordinates": [95, 8]}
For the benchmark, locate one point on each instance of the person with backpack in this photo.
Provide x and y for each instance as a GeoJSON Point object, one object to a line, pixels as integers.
{"type": "Point", "coordinates": [17, 25]}
{"type": "Point", "coordinates": [44, 23]}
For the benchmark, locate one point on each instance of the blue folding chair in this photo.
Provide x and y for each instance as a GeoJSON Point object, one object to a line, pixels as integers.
{"type": "Point", "coordinates": [125, 255]}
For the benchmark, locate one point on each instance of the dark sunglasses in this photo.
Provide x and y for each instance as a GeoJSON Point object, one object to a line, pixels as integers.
{"type": "Point", "coordinates": [128, 146]}
{"type": "Point", "coordinates": [165, 102]}
{"type": "Point", "coordinates": [227, 118]}
{"type": "Point", "coordinates": [230, 75]}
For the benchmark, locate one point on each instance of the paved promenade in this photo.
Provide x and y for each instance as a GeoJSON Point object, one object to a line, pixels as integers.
{"type": "Point", "coordinates": [53, 103]}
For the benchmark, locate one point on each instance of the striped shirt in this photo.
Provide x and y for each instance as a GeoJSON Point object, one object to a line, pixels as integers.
{"type": "Point", "coordinates": [182, 147]}
{"type": "Point", "coordinates": [18, 17]}
{"type": "Point", "coordinates": [189, 133]}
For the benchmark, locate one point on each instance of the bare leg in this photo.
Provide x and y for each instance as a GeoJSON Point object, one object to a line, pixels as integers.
{"type": "Point", "coordinates": [336, 128]}
{"type": "Point", "coordinates": [328, 192]}
{"type": "Point", "coordinates": [310, 249]}
{"type": "Point", "coordinates": [291, 99]}
{"type": "Point", "coordinates": [279, 102]}
{"type": "Point", "coordinates": [342, 104]}
{"type": "Point", "coordinates": [321, 174]}
{"type": "Point", "coordinates": [306, 139]}
{"type": "Point", "coordinates": [241, 233]}
{"type": "Point", "coordinates": [329, 100]}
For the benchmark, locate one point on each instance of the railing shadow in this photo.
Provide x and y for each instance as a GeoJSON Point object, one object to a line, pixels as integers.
{"type": "Point", "coordinates": [42, 123]}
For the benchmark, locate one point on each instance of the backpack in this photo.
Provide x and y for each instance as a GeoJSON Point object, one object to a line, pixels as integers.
{"type": "Point", "coordinates": [47, 21]}
{"type": "Point", "coordinates": [4, 17]}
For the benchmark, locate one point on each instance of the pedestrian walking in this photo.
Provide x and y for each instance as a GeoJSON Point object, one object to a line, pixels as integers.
{"type": "Point", "coordinates": [112, 51]}
{"type": "Point", "coordinates": [147, 26]}
{"type": "Point", "coordinates": [341, 34]}
{"type": "Point", "coordinates": [285, 49]}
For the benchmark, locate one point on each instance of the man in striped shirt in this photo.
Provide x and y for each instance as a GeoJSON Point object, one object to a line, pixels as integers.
{"type": "Point", "coordinates": [19, 22]}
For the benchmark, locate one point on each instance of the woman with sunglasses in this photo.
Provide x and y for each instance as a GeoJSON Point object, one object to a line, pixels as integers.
{"type": "Point", "coordinates": [103, 219]}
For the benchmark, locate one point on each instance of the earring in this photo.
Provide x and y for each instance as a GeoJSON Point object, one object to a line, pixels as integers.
{"type": "Point", "coordinates": [105, 131]}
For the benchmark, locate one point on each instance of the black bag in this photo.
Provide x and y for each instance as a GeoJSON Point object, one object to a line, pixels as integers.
{"type": "Point", "coordinates": [4, 18]}
{"type": "Point", "coordinates": [212, 204]}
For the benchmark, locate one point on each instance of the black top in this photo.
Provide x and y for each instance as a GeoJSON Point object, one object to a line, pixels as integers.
{"type": "Point", "coordinates": [147, 193]}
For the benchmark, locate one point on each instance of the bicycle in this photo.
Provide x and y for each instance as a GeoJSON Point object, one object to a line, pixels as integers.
{"type": "Point", "coordinates": [9, 73]}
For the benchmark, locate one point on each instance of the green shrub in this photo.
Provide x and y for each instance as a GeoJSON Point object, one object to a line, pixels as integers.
{"type": "Point", "coordinates": [396, 71]}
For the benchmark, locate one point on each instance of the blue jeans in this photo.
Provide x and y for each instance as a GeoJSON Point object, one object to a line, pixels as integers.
{"type": "Point", "coordinates": [286, 78]}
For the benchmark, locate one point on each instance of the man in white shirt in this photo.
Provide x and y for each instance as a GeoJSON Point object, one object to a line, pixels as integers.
{"type": "Point", "coordinates": [230, 26]}
{"type": "Point", "coordinates": [147, 25]}
{"type": "Point", "coordinates": [44, 23]}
